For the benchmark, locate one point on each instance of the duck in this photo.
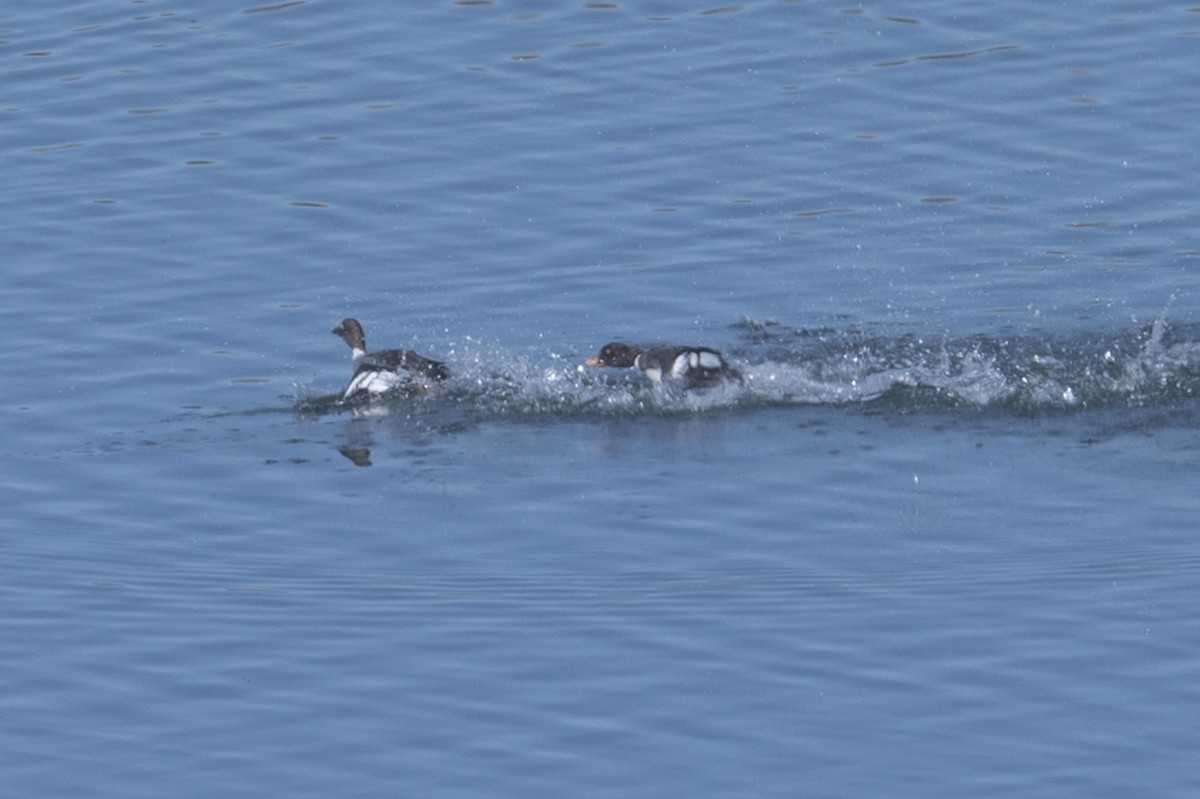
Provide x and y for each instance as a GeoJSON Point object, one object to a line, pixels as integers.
{"type": "Point", "coordinates": [385, 370]}
{"type": "Point", "coordinates": [689, 367]}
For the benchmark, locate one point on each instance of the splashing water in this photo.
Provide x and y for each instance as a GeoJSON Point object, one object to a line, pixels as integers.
{"type": "Point", "coordinates": [1146, 366]}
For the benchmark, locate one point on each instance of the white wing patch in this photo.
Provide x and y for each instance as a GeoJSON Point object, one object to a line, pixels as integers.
{"type": "Point", "coordinates": [374, 382]}
{"type": "Point", "coordinates": [695, 359]}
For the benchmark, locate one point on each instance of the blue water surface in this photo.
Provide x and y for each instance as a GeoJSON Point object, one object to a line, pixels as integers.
{"type": "Point", "coordinates": [940, 542]}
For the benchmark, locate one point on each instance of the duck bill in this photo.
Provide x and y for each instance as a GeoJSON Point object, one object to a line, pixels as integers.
{"type": "Point", "coordinates": [593, 361]}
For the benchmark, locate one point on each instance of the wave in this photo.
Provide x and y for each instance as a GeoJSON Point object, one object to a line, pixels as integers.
{"type": "Point", "coordinates": [1151, 366]}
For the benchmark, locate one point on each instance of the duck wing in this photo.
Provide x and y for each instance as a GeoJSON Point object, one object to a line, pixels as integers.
{"type": "Point", "coordinates": [406, 360]}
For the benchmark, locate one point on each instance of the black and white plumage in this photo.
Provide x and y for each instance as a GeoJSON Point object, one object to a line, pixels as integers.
{"type": "Point", "coordinates": [689, 367]}
{"type": "Point", "coordinates": [385, 370]}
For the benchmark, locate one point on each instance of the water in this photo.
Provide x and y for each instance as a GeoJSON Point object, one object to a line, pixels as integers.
{"type": "Point", "coordinates": [939, 543]}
